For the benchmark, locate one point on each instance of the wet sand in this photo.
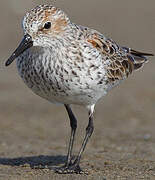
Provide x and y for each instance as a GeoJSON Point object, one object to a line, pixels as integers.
{"type": "Point", "coordinates": [34, 133]}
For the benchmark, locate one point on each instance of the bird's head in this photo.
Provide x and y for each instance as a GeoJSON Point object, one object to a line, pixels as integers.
{"type": "Point", "coordinates": [39, 25]}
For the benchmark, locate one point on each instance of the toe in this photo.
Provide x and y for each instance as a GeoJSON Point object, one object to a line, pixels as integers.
{"type": "Point", "coordinates": [70, 170]}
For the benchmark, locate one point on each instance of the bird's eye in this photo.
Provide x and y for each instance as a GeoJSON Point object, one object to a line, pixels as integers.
{"type": "Point", "coordinates": [47, 25]}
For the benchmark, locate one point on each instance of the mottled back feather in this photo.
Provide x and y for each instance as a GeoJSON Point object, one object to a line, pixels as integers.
{"type": "Point", "coordinates": [123, 60]}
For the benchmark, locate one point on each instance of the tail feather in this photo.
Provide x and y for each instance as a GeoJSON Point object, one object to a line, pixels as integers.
{"type": "Point", "coordinates": [138, 58]}
{"type": "Point", "coordinates": [138, 53]}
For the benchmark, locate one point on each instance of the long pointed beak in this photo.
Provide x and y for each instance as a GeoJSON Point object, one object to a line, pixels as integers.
{"type": "Point", "coordinates": [25, 44]}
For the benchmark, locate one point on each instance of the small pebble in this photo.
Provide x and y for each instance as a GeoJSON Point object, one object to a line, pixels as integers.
{"type": "Point", "coordinates": [147, 136]}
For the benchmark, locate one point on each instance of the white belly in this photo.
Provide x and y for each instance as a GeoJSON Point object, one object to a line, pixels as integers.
{"type": "Point", "coordinates": [58, 82]}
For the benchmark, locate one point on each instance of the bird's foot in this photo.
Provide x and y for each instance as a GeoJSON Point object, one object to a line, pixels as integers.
{"type": "Point", "coordinates": [70, 169]}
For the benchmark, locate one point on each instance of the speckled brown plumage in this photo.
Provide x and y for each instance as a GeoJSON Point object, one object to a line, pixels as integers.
{"type": "Point", "coordinates": [70, 64]}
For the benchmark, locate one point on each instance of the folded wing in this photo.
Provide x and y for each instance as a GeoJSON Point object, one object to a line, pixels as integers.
{"type": "Point", "coordinates": [122, 60]}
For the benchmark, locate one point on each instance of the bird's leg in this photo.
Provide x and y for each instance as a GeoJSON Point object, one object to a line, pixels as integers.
{"type": "Point", "coordinates": [73, 124]}
{"type": "Point", "coordinates": [74, 167]}
{"type": "Point", "coordinates": [89, 131]}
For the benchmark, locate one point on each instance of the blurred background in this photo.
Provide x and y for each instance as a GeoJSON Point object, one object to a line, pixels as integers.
{"type": "Point", "coordinates": [124, 119]}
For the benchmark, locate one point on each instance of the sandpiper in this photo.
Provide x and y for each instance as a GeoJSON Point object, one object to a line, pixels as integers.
{"type": "Point", "coordinates": [70, 64]}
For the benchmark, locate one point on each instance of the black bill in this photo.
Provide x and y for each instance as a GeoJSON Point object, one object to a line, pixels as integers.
{"type": "Point", "coordinates": [25, 44]}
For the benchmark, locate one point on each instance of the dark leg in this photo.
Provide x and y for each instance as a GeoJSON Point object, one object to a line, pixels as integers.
{"type": "Point", "coordinates": [89, 131]}
{"type": "Point", "coordinates": [74, 167]}
{"type": "Point", "coordinates": [73, 124]}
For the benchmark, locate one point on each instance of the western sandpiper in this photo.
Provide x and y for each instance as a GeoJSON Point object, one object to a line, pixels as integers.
{"type": "Point", "coordinates": [70, 64]}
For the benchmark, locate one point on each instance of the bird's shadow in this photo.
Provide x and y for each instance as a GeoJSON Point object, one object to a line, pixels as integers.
{"type": "Point", "coordinates": [35, 162]}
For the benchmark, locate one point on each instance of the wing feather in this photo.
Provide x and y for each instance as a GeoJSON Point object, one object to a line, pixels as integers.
{"type": "Point", "coordinates": [123, 60]}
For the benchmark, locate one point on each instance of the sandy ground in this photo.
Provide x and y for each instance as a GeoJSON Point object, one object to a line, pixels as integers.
{"type": "Point", "coordinates": [34, 133]}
